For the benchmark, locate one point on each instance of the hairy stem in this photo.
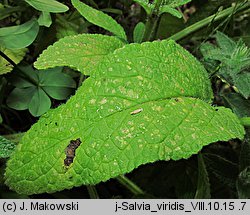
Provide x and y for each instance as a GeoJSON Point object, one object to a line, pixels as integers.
{"type": "Point", "coordinates": [152, 22]}
{"type": "Point", "coordinates": [130, 185]}
{"type": "Point", "coordinates": [215, 17]}
{"type": "Point", "coordinates": [92, 192]}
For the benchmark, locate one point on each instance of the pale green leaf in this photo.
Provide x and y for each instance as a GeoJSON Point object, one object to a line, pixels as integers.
{"type": "Point", "coordinates": [48, 6]}
{"type": "Point", "coordinates": [172, 11]}
{"type": "Point", "coordinates": [20, 36]}
{"type": "Point", "coordinates": [14, 54]}
{"type": "Point", "coordinates": [82, 52]}
{"type": "Point", "coordinates": [100, 19]}
{"type": "Point", "coordinates": [136, 108]}
{"type": "Point", "coordinates": [45, 19]}
{"type": "Point", "coordinates": [139, 32]}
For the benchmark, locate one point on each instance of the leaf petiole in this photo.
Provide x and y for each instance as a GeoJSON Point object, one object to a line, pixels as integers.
{"type": "Point", "coordinates": [130, 185]}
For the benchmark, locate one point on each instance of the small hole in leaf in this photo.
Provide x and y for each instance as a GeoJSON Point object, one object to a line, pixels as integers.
{"type": "Point", "coordinates": [56, 124]}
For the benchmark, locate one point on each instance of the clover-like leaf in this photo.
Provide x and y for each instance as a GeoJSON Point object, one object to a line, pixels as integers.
{"type": "Point", "coordinates": [144, 102]}
{"type": "Point", "coordinates": [100, 19]}
{"type": "Point", "coordinates": [34, 88]}
{"type": "Point", "coordinates": [82, 52]}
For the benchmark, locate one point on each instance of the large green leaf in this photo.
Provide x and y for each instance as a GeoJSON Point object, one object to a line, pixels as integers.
{"type": "Point", "coordinates": [136, 108]}
{"type": "Point", "coordinates": [82, 52]}
{"type": "Point", "coordinates": [48, 5]}
{"type": "Point", "coordinates": [20, 36]}
{"type": "Point", "coordinates": [100, 19]}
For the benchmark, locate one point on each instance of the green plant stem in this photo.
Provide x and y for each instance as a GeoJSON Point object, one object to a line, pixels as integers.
{"type": "Point", "coordinates": [92, 192]}
{"type": "Point", "coordinates": [245, 121]}
{"type": "Point", "coordinates": [152, 22]}
{"type": "Point", "coordinates": [215, 17]}
{"type": "Point", "coordinates": [130, 185]}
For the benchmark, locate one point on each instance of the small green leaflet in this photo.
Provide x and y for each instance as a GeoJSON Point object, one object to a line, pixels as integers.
{"type": "Point", "coordinates": [51, 6]}
{"type": "Point", "coordinates": [172, 11]}
{"type": "Point", "coordinates": [20, 36]}
{"type": "Point", "coordinates": [45, 19]}
{"type": "Point", "coordinates": [100, 19]}
{"type": "Point", "coordinates": [165, 87]}
{"type": "Point", "coordinates": [82, 52]}
{"type": "Point", "coordinates": [139, 32]}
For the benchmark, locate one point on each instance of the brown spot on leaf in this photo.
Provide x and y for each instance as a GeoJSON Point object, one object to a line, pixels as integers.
{"type": "Point", "coordinates": [70, 151]}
